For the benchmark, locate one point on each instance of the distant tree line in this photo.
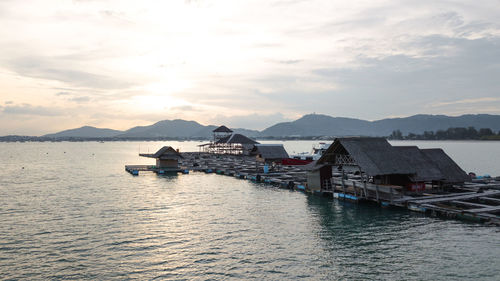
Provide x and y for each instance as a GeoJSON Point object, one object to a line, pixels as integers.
{"type": "Point", "coordinates": [458, 133]}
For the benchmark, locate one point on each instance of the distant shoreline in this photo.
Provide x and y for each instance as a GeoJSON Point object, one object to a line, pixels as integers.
{"type": "Point", "coordinates": [294, 138]}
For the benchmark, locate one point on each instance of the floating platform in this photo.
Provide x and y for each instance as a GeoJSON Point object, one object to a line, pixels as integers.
{"type": "Point", "coordinates": [477, 201]}
{"type": "Point", "coordinates": [135, 169]}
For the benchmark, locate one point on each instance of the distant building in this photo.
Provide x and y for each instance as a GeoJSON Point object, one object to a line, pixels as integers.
{"type": "Point", "coordinates": [221, 132]}
{"type": "Point", "coordinates": [225, 142]}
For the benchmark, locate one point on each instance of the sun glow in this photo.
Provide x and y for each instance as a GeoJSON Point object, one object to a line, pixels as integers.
{"type": "Point", "coordinates": [152, 103]}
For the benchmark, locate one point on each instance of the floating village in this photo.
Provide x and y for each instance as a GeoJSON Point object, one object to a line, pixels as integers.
{"type": "Point", "coordinates": [355, 169]}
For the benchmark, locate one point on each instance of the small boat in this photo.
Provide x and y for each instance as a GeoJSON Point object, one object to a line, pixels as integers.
{"type": "Point", "coordinates": [314, 155]}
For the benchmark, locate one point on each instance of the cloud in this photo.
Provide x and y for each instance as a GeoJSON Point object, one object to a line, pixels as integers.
{"type": "Point", "coordinates": [80, 99]}
{"type": "Point", "coordinates": [248, 59]}
{"type": "Point", "coordinates": [53, 68]}
{"type": "Point", "coordinates": [183, 108]}
{"type": "Point", "coordinates": [467, 101]}
{"type": "Point", "coordinates": [405, 85]}
{"type": "Point", "coordinates": [27, 109]}
{"type": "Point", "coordinates": [289, 61]}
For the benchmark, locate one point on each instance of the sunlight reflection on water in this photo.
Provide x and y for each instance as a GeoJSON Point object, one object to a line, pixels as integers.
{"type": "Point", "coordinates": [79, 215]}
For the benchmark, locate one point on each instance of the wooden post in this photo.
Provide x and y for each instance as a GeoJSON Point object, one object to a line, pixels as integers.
{"type": "Point", "coordinates": [343, 183]}
{"type": "Point", "coordinates": [366, 189]}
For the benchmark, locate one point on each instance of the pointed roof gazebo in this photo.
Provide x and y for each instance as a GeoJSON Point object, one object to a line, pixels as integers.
{"type": "Point", "coordinates": [225, 142]}
{"type": "Point", "coordinates": [222, 129]}
{"type": "Point", "coordinates": [221, 132]}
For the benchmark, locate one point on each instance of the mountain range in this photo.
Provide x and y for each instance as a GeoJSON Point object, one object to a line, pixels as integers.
{"type": "Point", "coordinates": [306, 126]}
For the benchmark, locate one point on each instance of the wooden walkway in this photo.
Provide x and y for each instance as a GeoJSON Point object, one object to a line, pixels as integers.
{"type": "Point", "coordinates": [476, 201]}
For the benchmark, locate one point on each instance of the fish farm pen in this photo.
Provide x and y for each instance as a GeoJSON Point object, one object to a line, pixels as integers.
{"type": "Point", "coordinates": [477, 201]}
{"type": "Point", "coordinates": [356, 169]}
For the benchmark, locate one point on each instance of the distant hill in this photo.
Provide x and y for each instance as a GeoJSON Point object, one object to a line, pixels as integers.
{"type": "Point", "coordinates": [177, 129]}
{"type": "Point", "coordinates": [318, 125]}
{"type": "Point", "coordinates": [324, 125]}
{"type": "Point", "coordinates": [85, 132]}
{"type": "Point", "coordinates": [419, 123]}
{"type": "Point", "coordinates": [306, 126]}
{"type": "Point", "coordinates": [167, 128]}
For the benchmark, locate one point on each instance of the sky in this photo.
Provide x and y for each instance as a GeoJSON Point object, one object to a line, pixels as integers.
{"type": "Point", "coordinates": [119, 64]}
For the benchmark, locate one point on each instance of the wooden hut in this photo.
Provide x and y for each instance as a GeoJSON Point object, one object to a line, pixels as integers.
{"type": "Point", "coordinates": [373, 157]}
{"type": "Point", "coordinates": [376, 161]}
{"type": "Point", "coordinates": [318, 177]}
{"type": "Point", "coordinates": [426, 169]}
{"type": "Point", "coordinates": [269, 152]}
{"type": "Point", "coordinates": [166, 158]}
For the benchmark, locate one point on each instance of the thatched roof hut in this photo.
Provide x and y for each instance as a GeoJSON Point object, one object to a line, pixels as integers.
{"type": "Point", "coordinates": [449, 169]}
{"type": "Point", "coordinates": [166, 157]}
{"type": "Point", "coordinates": [269, 152]}
{"type": "Point", "coordinates": [374, 156]}
{"type": "Point", "coordinates": [426, 169]}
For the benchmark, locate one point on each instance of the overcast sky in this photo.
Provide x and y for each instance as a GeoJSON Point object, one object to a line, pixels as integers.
{"type": "Point", "coordinates": [118, 64]}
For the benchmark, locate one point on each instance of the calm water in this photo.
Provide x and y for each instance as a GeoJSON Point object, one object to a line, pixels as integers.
{"type": "Point", "coordinates": [74, 213]}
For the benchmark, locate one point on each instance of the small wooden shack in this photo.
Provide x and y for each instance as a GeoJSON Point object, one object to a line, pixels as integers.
{"type": "Point", "coordinates": [269, 153]}
{"type": "Point", "coordinates": [166, 158]}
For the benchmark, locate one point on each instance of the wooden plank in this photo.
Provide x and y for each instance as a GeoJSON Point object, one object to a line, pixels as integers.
{"type": "Point", "coordinates": [469, 204]}
{"type": "Point", "coordinates": [484, 210]}
{"type": "Point", "coordinates": [489, 199]}
{"type": "Point", "coordinates": [416, 200]}
{"type": "Point", "coordinates": [456, 197]}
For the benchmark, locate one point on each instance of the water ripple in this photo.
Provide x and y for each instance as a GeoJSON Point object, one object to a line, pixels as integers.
{"type": "Point", "coordinates": [85, 218]}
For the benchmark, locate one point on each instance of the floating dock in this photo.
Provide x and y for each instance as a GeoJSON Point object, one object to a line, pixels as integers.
{"type": "Point", "coordinates": [479, 201]}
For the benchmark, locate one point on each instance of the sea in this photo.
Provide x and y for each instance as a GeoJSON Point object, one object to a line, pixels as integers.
{"type": "Point", "coordinates": [69, 211]}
